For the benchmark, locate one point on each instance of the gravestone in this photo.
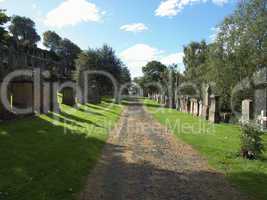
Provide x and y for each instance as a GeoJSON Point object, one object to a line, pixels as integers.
{"type": "Point", "coordinates": [178, 104]}
{"type": "Point", "coordinates": [68, 96]}
{"type": "Point", "coordinates": [262, 119]}
{"type": "Point", "coordinates": [196, 108]}
{"type": "Point", "coordinates": [260, 97]}
{"type": "Point", "coordinates": [46, 98]}
{"type": "Point", "coordinates": [206, 103]}
{"type": "Point", "coordinates": [22, 95]}
{"type": "Point", "coordinates": [214, 116]}
{"type": "Point", "coordinates": [191, 106]}
{"type": "Point", "coordinates": [247, 111]}
{"type": "Point", "coordinates": [200, 112]}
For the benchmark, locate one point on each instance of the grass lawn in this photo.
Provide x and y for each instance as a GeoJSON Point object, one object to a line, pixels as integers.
{"type": "Point", "coordinates": [48, 157]}
{"type": "Point", "coordinates": [218, 143]}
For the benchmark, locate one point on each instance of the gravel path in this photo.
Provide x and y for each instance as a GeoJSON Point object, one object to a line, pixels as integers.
{"type": "Point", "coordinates": [143, 161]}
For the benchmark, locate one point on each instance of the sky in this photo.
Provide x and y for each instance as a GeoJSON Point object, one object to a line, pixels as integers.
{"type": "Point", "coordinates": [138, 30]}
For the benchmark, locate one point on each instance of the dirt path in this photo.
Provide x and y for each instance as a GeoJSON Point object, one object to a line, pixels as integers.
{"type": "Point", "coordinates": [142, 161]}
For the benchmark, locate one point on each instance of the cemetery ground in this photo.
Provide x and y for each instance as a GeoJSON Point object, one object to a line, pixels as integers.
{"type": "Point", "coordinates": [50, 157]}
{"type": "Point", "coordinates": [41, 160]}
{"type": "Point", "coordinates": [220, 147]}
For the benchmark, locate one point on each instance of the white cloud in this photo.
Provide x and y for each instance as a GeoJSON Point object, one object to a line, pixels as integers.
{"type": "Point", "coordinates": [175, 58]}
{"type": "Point", "coordinates": [2, 1]}
{"type": "Point", "coordinates": [72, 12]}
{"type": "Point", "coordinates": [171, 8]}
{"type": "Point", "coordinates": [136, 27]}
{"type": "Point", "coordinates": [215, 32]}
{"type": "Point", "coordinates": [139, 55]}
{"type": "Point", "coordinates": [220, 2]}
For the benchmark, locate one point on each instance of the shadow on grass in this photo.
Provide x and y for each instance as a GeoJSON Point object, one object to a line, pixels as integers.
{"type": "Point", "coordinates": [89, 111]}
{"type": "Point", "coordinates": [251, 183]}
{"type": "Point", "coordinates": [75, 118]}
{"type": "Point", "coordinates": [41, 160]}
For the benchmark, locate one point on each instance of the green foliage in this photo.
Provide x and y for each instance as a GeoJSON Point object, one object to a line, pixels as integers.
{"type": "Point", "coordinates": [51, 40]}
{"type": "Point", "coordinates": [103, 59]}
{"type": "Point", "coordinates": [23, 31]}
{"type": "Point", "coordinates": [153, 73]}
{"type": "Point", "coordinates": [251, 141]}
{"type": "Point", "coordinates": [3, 20]}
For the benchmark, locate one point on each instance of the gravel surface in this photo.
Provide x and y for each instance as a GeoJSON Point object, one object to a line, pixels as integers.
{"type": "Point", "coordinates": [143, 161]}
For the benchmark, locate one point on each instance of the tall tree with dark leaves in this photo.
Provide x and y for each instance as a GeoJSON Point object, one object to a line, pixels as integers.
{"type": "Point", "coordinates": [3, 20]}
{"type": "Point", "coordinates": [23, 31]}
{"type": "Point", "coordinates": [52, 40]}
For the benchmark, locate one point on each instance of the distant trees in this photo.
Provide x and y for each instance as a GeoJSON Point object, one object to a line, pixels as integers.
{"type": "Point", "coordinates": [23, 31]}
{"type": "Point", "coordinates": [103, 59]}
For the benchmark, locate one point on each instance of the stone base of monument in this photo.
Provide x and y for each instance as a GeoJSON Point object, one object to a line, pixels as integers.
{"type": "Point", "coordinates": [22, 95]}
{"type": "Point", "coordinates": [68, 96]}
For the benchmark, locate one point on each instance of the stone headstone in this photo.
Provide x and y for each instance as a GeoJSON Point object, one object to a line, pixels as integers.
{"type": "Point", "coordinates": [206, 103]}
{"type": "Point", "coordinates": [22, 95]}
{"type": "Point", "coordinates": [196, 108]}
{"type": "Point", "coordinates": [263, 120]}
{"type": "Point", "coordinates": [200, 113]}
{"type": "Point", "coordinates": [247, 111]}
{"type": "Point", "coordinates": [68, 96]}
{"type": "Point", "coordinates": [214, 116]}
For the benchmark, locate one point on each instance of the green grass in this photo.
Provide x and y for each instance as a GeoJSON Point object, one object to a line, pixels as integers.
{"type": "Point", "coordinates": [219, 144]}
{"type": "Point", "coordinates": [44, 158]}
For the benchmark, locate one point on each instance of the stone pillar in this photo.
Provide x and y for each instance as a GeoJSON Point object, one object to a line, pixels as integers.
{"type": "Point", "coordinates": [68, 96]}
{"type": "Point", "coordinates": [196, 107]}
{"type": "Point", "coordinates": [247, 111]}
{"type": "Point", "coordinates": [4, 112]}
{"type": "Point", "coordinates": [200, 108]}
{"type": "Point", "coordinates": [178, 104]}
{"type": "Point", "coordinates": [214, 109]}
{"type": "Point", "coordinates": [46, 98]}
{"type": "Point", "coordinates": [54, 105]}
{"type": "Point", "coordinates": [191, 106]}
{"type": "Point", "coordinates": [206, 103]}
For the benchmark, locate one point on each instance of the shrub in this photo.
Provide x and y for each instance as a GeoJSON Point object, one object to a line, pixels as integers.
{"type": "Point", "coordinates": [251, 141]}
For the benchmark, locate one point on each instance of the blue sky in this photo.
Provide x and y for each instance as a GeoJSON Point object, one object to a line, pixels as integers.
{"type": "Point", "coordinates": [139, 30]}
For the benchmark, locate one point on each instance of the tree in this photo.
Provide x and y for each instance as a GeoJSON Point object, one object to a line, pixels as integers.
{"type": "Point", "coordinates": [104, 60]}
{"type": "Point", "coordinates": [52, 40]}
{"type": "Point", "coordinates": [3, 19]}
{"type": "Point", "coordinates": [239, 50]}
{"type": "Point", "coordinates": [68, 51]}
{"type": "Point", "coordinates": [23, 31]}
{"type": "Point", "coordinates": [195, 58]}
{"type": "Point", "coordinates": [153, 73]}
